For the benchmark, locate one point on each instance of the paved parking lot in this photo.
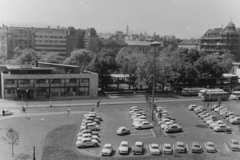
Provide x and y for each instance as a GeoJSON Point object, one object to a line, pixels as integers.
{"type": "Point", "coordinates": [195, 129]}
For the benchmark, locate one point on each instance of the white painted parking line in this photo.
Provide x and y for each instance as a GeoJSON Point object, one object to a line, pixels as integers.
{"type": "Point", "coordinates": [135, 134]}
{"type": "Point", "coordinates": [146, 137]}
{"type": "Point", "coordinates": [226, 147]}
{"type": "Point", "coordinates": [99, 154]}
{"type": "Point", "coordinates": [153, 133]}
{"type": "Point", "coordinates": [164, 133]}
{"type": "Point", "coordinates": [187, 147]}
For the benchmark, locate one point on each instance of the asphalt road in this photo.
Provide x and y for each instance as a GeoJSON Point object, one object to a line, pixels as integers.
{"type": "Point", "coordinates": [195, 129]}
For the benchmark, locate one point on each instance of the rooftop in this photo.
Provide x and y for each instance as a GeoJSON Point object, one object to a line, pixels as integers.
{"type": "Point", "coordinates": [60, 65]}
{"type": "Point", "coordinates": [138, 43]}
{"type": "Point", "coordinates": [19, 67]}
{"type": "Point", "coordinates": [190, 42]}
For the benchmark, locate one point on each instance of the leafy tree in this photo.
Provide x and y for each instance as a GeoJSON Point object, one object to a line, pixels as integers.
{"type": "Point", "coordinates": [81, 58]}
{"type": "Point", "coordinates": [53, 57]}
{"type": "Point", "coordinates": [28, 56]}
{"type": "Point", "coordinates": [12, 138]}
{"type": "Point", "coordinates": [104, 64]}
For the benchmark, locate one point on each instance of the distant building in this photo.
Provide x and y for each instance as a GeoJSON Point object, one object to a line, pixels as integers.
{"type": "Point", "coordinates": [219, 41]}
{"type": "Point", "coordinates": [91, 41]}
{"type": "Point", "coordinates": [189, 43]}
{"type": "Point", "coordinates": [108, 43]}
{"type": "Point", "coordinates": [51, 40]}
{"type": "Point", "coordinates": [22, 37]}
{"type": "Point", "coordinates": [75, 39]}
{"type": "Point", "coordinates": [3, 42]}
{"type": "Point", "coordinates": [127, 30]}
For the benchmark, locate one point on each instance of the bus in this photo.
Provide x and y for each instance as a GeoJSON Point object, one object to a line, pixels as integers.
{"type": "Point", "coordinates": [235, 95]}
{"type": "Point", "coordinates": [201, 92]}
{"type": "Point", "coordinates": [217, 95]}
{"type": "Point", "coordinates": [191, 91]}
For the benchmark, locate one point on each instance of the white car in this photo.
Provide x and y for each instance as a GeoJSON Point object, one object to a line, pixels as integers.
{"type": "Point", "coordinates": [235, 120]}
{"type": "Point", "coordinates": [86, 142]}
{"type": "Point", "coordinates": [212, 125]}
{"type": "Point", "coordinates": [107, 150]}
{"type": "Point", "coordinates": [139, 121]}
{"type": "Point", "coordinates": [162, 121]}
{"type": "Point", "coordinates": [137, 115]}
{"type": "Point", "coordinates": [211, 117]}
{"type": "Point", "coordinates": [210, 147]}
{"type": "Point", "coordinates": [167, 149]}
{"type": "Point", "coordinates": [133, 107]}
{"type": "Point", "coordinates": [154, 149]}
{"type": "Point", "coordinates": [87, 135]}
{"type": "Point", "coordinates": [192, 106]}
{"type": "Point", "coordinates": [7, 112]}
{"type": "Point", "coordinates": [167, 124]}
{"type": "Point", "coordinates": [235, 95]}
{"type": "Point", "coordinates": [143, 125]}
{"type": "Point", "coordinates": [210, 121]}
{"type": "Point", "coordinates": [123, 130]}
{"type": "Point", "coordinates": [219, 108]}
{"type": "Point", "coordinates": [173, 128]}
{"type": "Point", "coordinates": [123, 148]}
{"type": "Point", "coordinates": [221, 128]}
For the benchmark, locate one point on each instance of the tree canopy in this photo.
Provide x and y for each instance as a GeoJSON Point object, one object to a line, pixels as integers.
{"type": "Point", "coordinates": [54, 57]}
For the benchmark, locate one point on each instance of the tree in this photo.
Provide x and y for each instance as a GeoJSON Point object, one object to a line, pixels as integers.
{"type": "Point", "coordinates": [12, 138]}
{"type": "Point", "coordinates": [28, 56]}
{"type": "Point", "coordinates": [104, 64]}
{"type": "Point", "coordinates": [81, 58]}
{"type": "Point", "coordinates": [53, 57]}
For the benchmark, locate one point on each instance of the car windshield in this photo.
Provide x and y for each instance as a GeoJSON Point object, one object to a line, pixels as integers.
{"type": "Point", "coordinates": [108, 147]}
{"type": "Point", "coordinates": [235, 143]}
{"type": "Point", "coordinates": [124, 145]}
{"type": "Point", "coordinates": [139, 145]}
{"type": "Point", "coordinates": [180, 145]}
{"type": "Point", "coordinates": [167, 147]}
{"type": "Point", "coordinates": [210, 145]}
{"type": "Point", "coordinates": [155, 147]}
{"type": "Point", "coordinates": [196, 145]}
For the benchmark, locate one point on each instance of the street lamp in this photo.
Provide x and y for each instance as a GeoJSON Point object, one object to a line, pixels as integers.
{"type": "Point", "coordinates": [27, 96]}
{"type": "Point", "coordinates": [155, 45]}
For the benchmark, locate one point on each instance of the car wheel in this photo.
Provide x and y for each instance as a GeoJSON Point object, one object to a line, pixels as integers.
{"type": "Point", "coordinates": [82, 146]}
{"type": "Point", "coordinates": [95, 145]}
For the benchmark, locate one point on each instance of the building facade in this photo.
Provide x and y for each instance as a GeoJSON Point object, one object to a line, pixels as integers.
{"type": "Point", "coordinates": [108, 43]}
{"type": "Point", "coordinates": [30, 82]}
{"type": "Point", "coordinates": [91, 41]}
{"type": "Point", "coordinates": [21, 37]}
{"type": "Point", "coordinates": [189, 44]}
{"type": "Point", "coordinates": [75, 39]}
{"type": "Point", "coordinates": [51, 40]}
{"type": "Point", "coordinates": [221, 40]}
{"type": "Point", "coordinates": [3, 42]}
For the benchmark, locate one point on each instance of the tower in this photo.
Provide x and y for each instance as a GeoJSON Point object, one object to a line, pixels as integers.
{"type": "Point", "coordinates": [127, 30]}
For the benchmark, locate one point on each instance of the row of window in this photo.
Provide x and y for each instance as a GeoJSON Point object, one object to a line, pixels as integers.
{"type": "Point", "coordinates": [61, 37]}
{"type": "Point", "coordinates": [45, 81]}
{"type": "Point", "coordinates": [51, 41]}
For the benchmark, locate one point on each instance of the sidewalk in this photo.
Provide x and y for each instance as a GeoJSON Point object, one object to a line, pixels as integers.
{"type": "Point", "coordinates": [90, 102]}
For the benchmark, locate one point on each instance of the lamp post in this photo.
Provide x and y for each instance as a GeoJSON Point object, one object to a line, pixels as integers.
{"type": "Point", "coordinates": [27, 97]}
{"type": "Point", "coordinates": [34, 157]}
{"type": "Point", "coordinates": [22, 100]}
{"type": "Point", "coordinates": [155, 45]}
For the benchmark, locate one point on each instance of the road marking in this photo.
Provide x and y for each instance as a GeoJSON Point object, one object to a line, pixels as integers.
{"type": "Point", "coordinates": [99, 154]}
{"type": "Point", "coordinates": [164, 133]}
{"type": "Point", "coordinates": [153, 133]}
{"type": "Point", "coordinates": [147, 137]}
{"type": "Point", "coordinates": [173, 147]}
{"type": "Point", "coordinates": [146, 149]}
{"type": "Point", "coordinates": [226, 147]}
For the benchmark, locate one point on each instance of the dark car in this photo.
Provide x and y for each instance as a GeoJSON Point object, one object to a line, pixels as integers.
{"type": "Point", "coordinates": [138, 148]}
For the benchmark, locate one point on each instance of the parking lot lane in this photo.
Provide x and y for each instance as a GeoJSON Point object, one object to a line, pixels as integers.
{"type": "Point", "coordinates": [226, 147]}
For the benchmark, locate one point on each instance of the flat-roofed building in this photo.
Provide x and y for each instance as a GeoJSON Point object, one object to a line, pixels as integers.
{"type": "Point", "coordinates": [51, 40]}
{"type": "Point", "coordinates": [33, 82]}
{"type": "Point", "coordinates": [3, 42]}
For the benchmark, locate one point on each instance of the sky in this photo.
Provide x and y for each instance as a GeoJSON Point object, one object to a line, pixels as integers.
{"type": "Point", "coordinates": [182, 18]}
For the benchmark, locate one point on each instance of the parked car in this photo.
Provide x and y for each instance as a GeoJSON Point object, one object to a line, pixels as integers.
{"type": "Point", "coordinates": [210, 147]}
{"type": "Point", "coordinates": [166, 124]}
{"type": "Point", "coordinates": [85, 131]}
{"type": "Point", "coordinates": [180, 147]}
{"type": "Point", "coordinates": [167, 149]}
{"type": "Point", "coordinates": [211, 121]}
{"type": "Point", "coordinates": [214, 106]}
{"type": "Point", "coordinates": [88, 135]}
{"type": "Point", "coordinates": [196, 147]}
{"type": "Point", "coordinates": [235, 120]}
{"type": "Point", "coordinates": [226, 115]}
{"type": "Point", "coordinates": [211, 117]}
{"type": "Point", "coordinates": [212, 125]}
{"type": "Point", "coordinates": [123, 148]}
{"type": "Point", "coordinates": [93, 127]}
{"type": "Point", "coordinates": [219, 108]}
{"type": "Point", "coordinates": [221, 128]}
{"type": "Point", "coordinates": [154, 149]}
{"type": "Point", "coordinates": [202, 113]}
{"type": "Point", "coordinates": [192, 106]}
{"type": "Point", "coordinates": [86, 142]}
{"type": "Point", "coordinates": [173, 128]}
{"type": "Point", "coordinates": [123, 131]}
{"type": "Point", "coordinates": [143, 125]}
{"type": "Point", "coordinates": [107, 150]}
{"type": "Point", "coordinates": [234, 145]}
{"type": "Point", "coordinates": [139, 121]}
{"type": "Point", "coordinates": [164, 120]}
{"type": "Point", "coordinates": [138, 148]}
{"type": "Point", "coordinates": [133, 107]}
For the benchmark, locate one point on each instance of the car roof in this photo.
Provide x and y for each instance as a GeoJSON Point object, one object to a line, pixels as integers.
{"type": "Point", "coordinates": [210, 143]}
{"type": "Point", "coordinates": [154, 144]}
{"type": "Point", "coordinates": [107, 145]}
{"type": "Point", "coordinates": [180, 143]}
{"type": "Point", "coordinates": [87, 134]}
{"type": "Point", "coordinates": [85, 130]}
{"type": "Point", "coordinates": [138, 143]}
{"type": "Point", "coordinates": [167, 145]}
{"type": "Point", "coordinates": [233, 140]}
{"type": "Point", "coordinates": [124, 142]}
{"type": "Point", "coordinates": [86, 139]}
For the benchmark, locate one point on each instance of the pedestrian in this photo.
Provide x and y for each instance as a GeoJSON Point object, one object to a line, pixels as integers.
{"type": "Point", "coordinates": [238, 99]}
{"type": "Point", "coordinates": [92, 108]}
{"type": "Point", "coordinates": [68, 111]}
{"type": "Point", "coordinates": [3, 112]}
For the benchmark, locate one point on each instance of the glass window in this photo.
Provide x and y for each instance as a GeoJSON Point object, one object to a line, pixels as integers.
{"type": "Point", "coordinates": [10, 81]}
{"type": "Point", "coordinates": [73, 81]}
{"type": "Point", "coordinates": [24, 81]}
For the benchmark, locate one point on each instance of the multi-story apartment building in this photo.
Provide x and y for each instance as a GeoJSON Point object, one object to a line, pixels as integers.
{"type": "Point", "coordinates": [91, 41]}
{"type": "Point", "coordinates": [75, 39]}
{"type": "Point", "coordinates": [108, 43]}
{"type": "Point", "coordinates": [22, 37]}
{"type": "Point", "coordinates": [51, 40]}
{"type": "Point", "coordinates": [219, 40]}
{"type": "Point", "coordinates": [3, 42]}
